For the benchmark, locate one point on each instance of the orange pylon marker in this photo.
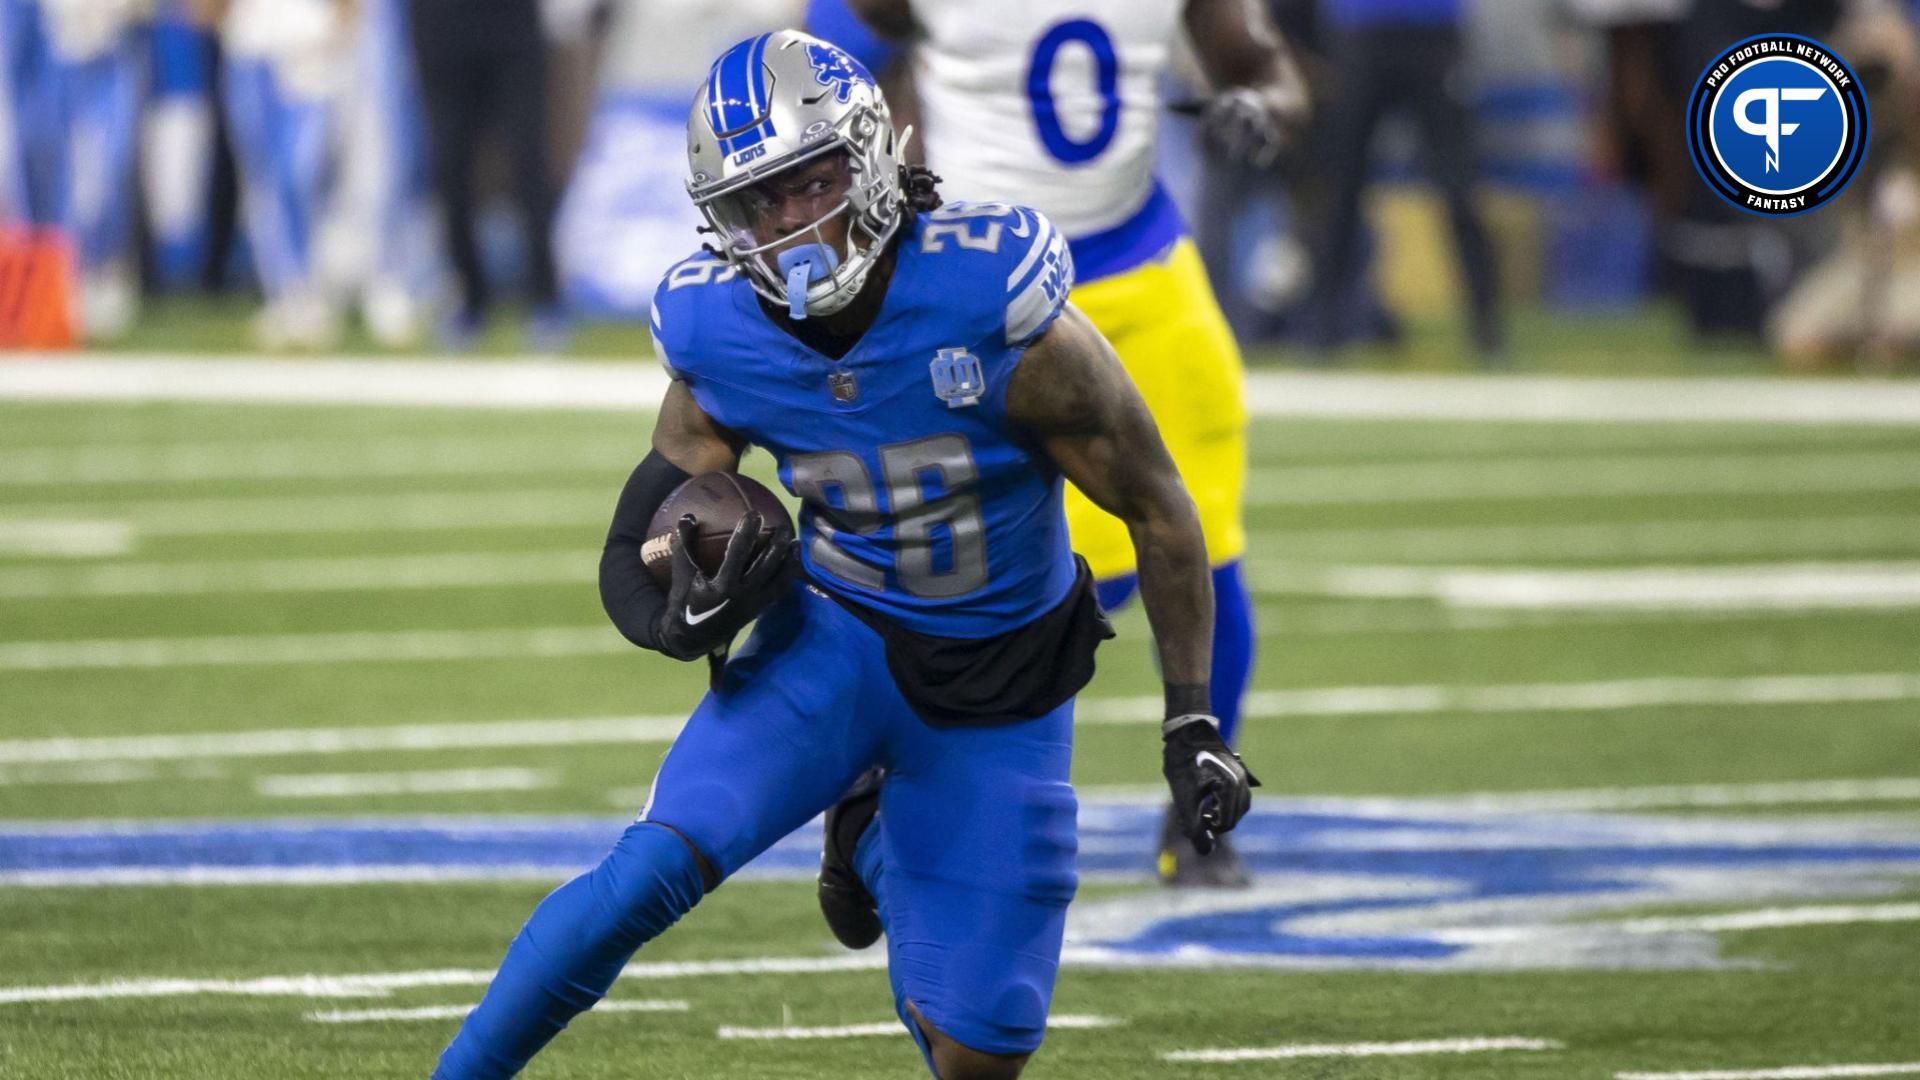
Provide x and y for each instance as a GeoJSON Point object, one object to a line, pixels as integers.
{"type": "Point", "coordinates": [36, 290]}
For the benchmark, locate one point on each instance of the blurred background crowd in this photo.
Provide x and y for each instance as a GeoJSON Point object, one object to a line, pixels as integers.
{"type": "Point", "coordinates": [401, 172]}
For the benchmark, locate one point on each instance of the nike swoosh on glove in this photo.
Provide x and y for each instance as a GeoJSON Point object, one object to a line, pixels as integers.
{"type": "Point", "coordinates": [703, 613]}
{"type": "Point", "coordinates": [1212, 789]}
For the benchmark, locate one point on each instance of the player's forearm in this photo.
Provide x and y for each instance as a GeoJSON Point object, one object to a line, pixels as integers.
{"type": "Point", "coordinates": [1239, 47]}
{"type": "Point", "coordinates": [208, 13]}
{"type": "Point", "coordinates": [891, 19]}
{"type": "Point", "coordinates": [1177, 590]}
{"type": "Point", "coordinates": [1236, 42]}
{"type": "Point", "coordinates": [633, 600]}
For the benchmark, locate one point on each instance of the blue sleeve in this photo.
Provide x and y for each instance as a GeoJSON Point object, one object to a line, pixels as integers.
{"type": "Point", "coordinates": [675, 314]}
{"type": "Point", "coordinates": [1038, 286]}
{"type": "Point", "coordinates": [663, 341]}
{"type": "Point", "coordinates": [834, 21]}
{"type": "Point", "coordinates": [696, 335]}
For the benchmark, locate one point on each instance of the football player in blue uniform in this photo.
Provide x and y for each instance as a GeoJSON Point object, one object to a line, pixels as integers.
{"type": "Point", "coordinates": [925, 387]}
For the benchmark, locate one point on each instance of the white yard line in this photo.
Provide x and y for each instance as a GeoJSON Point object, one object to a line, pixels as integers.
{"type": "Point", "coordinates": [322, 574]}
{"type": "Point", "coordinates": [290, 876]}
{"type": "Point", "coordinates": [1614, 542]}
{"type": "Point", "coordinates": [309, 986]}
{"type": "Point", "coordinates": [1066, 1022]}
{"type": "Point", "coordinates": [1774, 919]}
{"type": "Point", "coordinates": [1683, 471]}
{"type": "Point", "coordinates": [82, 773]}
{"type": "Point", "coordinates": [1561, 801]}
{"type": "Point", "coordinates": [1569, 697]}
{"type": "Point", "coordinates": [285, 742]}
{"type": "Point", "coordinates": [586, 385]}
{"type": "Point", "coordinates": [372, 646]}
{"type": "Point", "coordinates": [1764, 587]}
{"type": "Point", "coordinates": [363, 1016]}
{"type": "Point", "coordinates": [1416, 1047]}
{"type": "Point", "coordinates": [412, 511]}
{"type": "Point", "coordinates": [1325, 702]}
{"type": "Point", "coordinates": [1360, 396]}
{"type": "Point", "coordinates": [459, 1012]}
{"type": "Point", "coordinates": [1719, 923]}
{"type": "Point", "coordinates": [1791, 1072]}
{"type": "Point", "coordinates": [1344, 619]}
{"type": "Point", "coordinates": [1654, 797]}
{"type": "Point", "coordinates": [34, 536]}
{"type": "Point", "coordinates": [1700, 589]}
{"type": "Point", "coordinates": [383, 984]}
{"type": "Point", "coordinates": [269, 459]}
{"type": "Point", "coordinates": [1586, 477]}
{"type": "Point", "coordinates": [842, 1031]}
{"type": "Point", "coordinates": [443, 382]}
{"type": "Point", "coordinates": [418, 782]}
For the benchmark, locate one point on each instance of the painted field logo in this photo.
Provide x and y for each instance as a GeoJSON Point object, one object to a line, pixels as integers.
{"type": "Point", "coordinates": [1778, 124]}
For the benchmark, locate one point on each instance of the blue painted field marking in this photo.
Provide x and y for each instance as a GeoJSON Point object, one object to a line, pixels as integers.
{"type": "Point", "coordinates": [1334, 889]}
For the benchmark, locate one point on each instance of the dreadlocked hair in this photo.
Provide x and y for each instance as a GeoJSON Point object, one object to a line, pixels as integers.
{"type": "Point", "coordinates": [708, 247]}
{"type": "Point", "coordinates": [922, 188]}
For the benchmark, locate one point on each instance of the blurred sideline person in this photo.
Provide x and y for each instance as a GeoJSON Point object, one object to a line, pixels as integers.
{"type": "Point", "coordinates": [1861, 304]}
{"type": "Point", "coordinates": [1401, 55]}
{"type": "Point", "coordinates": [284, 70]}
{"type": "Point", "coordinates": [483, 66]}
{"type": "Point", "coordinates": [1056, 105]}
{"type": "Point", "coordinates": [379, 243]}
{"type": "Point", "coordinates": [181, 172]}
{"type": "Point", "coordinates": [1725, 266]}
{"type": "Point", "coordinates": [76, 76]}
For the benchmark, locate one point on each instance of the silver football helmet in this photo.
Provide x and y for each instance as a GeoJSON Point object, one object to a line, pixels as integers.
{"type": "Point", "coordinates": [775, 103]}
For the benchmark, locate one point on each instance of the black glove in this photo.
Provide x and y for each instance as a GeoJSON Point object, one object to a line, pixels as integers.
{"type": "Point", "coordinates": [704, 613]}
{"type": "Point", "coordinates": [1243, 125]}
{"type": "Point", "coordinates": [1212, 789]}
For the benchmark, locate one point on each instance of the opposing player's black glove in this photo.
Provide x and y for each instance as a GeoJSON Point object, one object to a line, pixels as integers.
{"type": "Point", "coordinates": [1212, 788]}
{"type": "Point", "coordinates": [704, 613]}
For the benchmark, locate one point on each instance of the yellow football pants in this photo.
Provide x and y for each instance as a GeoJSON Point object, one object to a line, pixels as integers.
{"type": "Point", "coordinates": [1164, 322]}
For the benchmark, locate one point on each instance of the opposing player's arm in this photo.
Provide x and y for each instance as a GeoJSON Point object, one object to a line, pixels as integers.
{"type": "Point", "coordinates": [208, 13]}
{"type": "Point", "coordinates": [1260, 95]}
{"type": "Point", "coordinates": [1070, 392]}
{"type": "Point", "coordinates": [891, 19]}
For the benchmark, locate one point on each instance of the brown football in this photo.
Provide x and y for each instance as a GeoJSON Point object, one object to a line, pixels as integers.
{"type": "Point", "coordinates": [717, 501]}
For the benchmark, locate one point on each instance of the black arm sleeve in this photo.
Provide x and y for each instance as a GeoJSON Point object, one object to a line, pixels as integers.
{"type": "Point", "coordinates": [632, 598]}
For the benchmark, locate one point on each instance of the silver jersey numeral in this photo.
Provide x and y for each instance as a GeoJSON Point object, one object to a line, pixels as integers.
{"type": "Point", "coordinates": [859, 512]}
{"type": "Point", "coordinates": [950, 461]}
{"type": "Point", "coordinates": [944, 460]}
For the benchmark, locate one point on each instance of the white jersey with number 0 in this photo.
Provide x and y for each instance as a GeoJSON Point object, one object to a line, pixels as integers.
{"type": "Point", "coordinates": [1046, 103]}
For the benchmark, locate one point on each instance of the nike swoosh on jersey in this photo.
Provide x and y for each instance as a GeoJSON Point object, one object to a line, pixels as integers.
{"type": "Point", "coordinates": [696, 620]}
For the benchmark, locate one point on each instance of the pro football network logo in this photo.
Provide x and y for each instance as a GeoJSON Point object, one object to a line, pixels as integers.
{"type": "Point", "coordinates": [1778, 124]}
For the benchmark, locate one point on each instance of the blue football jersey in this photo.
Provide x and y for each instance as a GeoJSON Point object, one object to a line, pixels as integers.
{"type": "Point", "coordinates": [919, 499]}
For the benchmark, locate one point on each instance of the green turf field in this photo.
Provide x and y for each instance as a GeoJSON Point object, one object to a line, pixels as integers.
{"type": "Point", "coordinates": [1599, 739]}
{"type": "Point", "coordinates": [1651, 339]}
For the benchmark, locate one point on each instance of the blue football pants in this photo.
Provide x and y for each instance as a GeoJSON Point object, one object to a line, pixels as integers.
{"type": "Point", "coordinates": [971, 856]}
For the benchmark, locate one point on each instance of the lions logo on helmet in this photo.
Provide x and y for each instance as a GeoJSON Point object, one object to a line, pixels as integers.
{"type": "Point", "coordinates": [837, 70]}
{"type": "Point", "coordinates": [762, 113]}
